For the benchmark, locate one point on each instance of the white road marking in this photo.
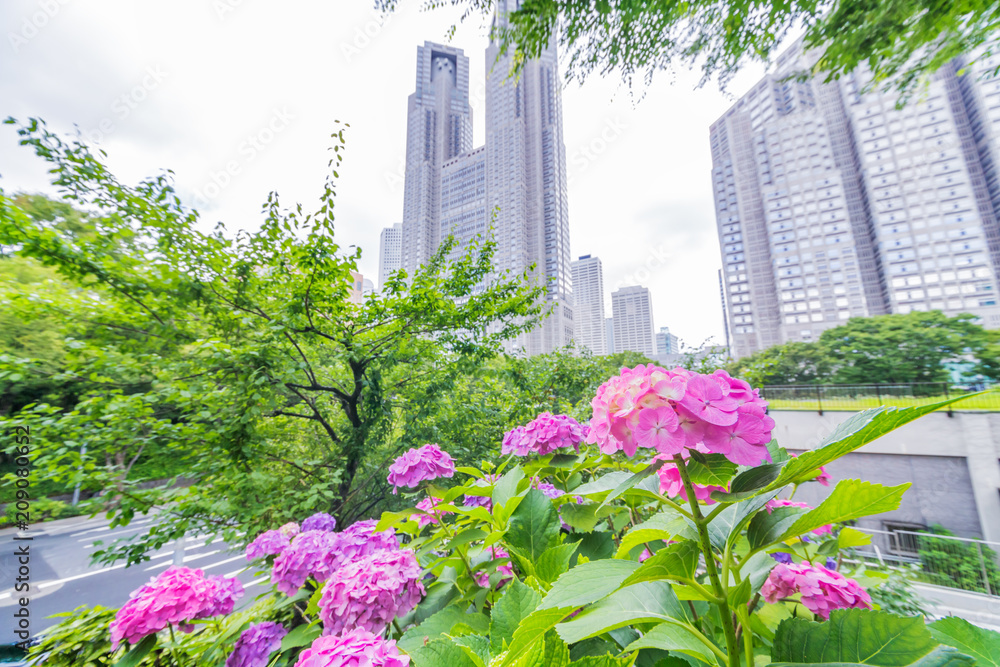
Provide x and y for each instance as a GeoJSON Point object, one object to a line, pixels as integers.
{"type": "Point", "coordinates": [223, 562]}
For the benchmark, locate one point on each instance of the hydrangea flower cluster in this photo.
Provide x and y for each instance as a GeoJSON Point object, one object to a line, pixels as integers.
{"type": "Point", "coordinates": [355, 648]}
{"type": "Point", "coordinates": [369, 593]}
{"type": "Point", "coordinates": [306, 556]}
{"type": "Point", "coordinates": [268, 543]}
{"type": "Point", "coordinates": [544, 434]}
{"type": "Point", "coordinates": [175, 597]}
{"type": "Point", "coordinates": [782, 502]}
{"type": "Point", "coordinates": [506, 569]}
{"type": "Point", "coordinates": [672, 485]}
{"type": "Point", "coordinates": [418, 465]}
{"type": "Point", "coordinates": [359, 540]}
{"type": "Point", "coordinates": [320, 521]}
{"type": "Point", "coordinates": [428, 504]}
{"type": "Point", "coordinates": [822, 590]}
{"type": "Point", "coordinates": [669, 411]}
{"type": "Point", "coordinates": [290, 529]}
{"type": "Point", "coordinates": [256, 644]}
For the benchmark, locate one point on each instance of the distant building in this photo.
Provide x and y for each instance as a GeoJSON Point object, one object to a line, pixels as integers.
{"type": "Point", "coordinates": [357, 294]}
{"type": "Point", "coordinates": [667, 343]}
{"type": "Point", "coordinates": [609, 334]}
{"type": "Point", "coordinates": [390, 252]}
{"type": "Point", "coordinates": [588, 310]}
{"type": "Point", "coordinates": [832, 203]}
{"type": "Point", "coordinates": [632, 309]}
{"type": "Point", "coordinates": [367, 287]}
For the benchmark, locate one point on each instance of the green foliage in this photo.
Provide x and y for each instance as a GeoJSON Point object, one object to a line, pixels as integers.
{"type": "Point", "coordinates": [902, 43]}
{"type": "Point", "coordinates": [980, 643]}
{"type": "Point", "coordinates": [956, 563]}
{"type": "Point", "coordinates": [886, 349]}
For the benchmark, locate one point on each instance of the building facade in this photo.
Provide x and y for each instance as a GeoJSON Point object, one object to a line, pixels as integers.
{"type": "Point", "coordinates": [832, 204]}
{"type": "Point", "coordinates": [390, 252]}
{"type": "Point", "coordinates": [609, 335]}
{"type": "Point", "coordinates": [667, 343]}
{"type": "Point", "coordinates": [513, 187]}
{"type": "Point", "coordinates": [632, 310]}
{"type": "Point", "coordinates": [588, 304]}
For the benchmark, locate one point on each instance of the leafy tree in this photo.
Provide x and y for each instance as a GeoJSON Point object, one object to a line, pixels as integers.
{"type": "Point", "coordinates": [791, 363]}
{"type": "Point", "coordinates": [901, 42]}
{"type": "Point", "coordinates": [899, 348]}
{"type": "Point", "coordinates": [242, 356]}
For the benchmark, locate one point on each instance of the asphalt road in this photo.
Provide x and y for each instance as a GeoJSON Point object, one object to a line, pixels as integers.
{"type": "Point", "coordinates": [62, 578]}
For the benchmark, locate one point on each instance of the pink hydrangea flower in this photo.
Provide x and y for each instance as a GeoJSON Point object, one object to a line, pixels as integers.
{"type": "Point", "coordinates": [419, 465]}
{"type": "Point", "coordinates": [354, 648]}
{"type": "Point", "coordinates": [823, 477]}
{"type": "Point", "coordinates": [290, 529]}
{"type": "Point", "coordinates": [782, 502]}
{"type": "Point", "coordinates": [307, 556]}
{"type": "Point", "coordinates": [670, 411]}
{"type": "Point", "coordinates": [645, 555]}
{"type": "Point", "coordinates": [371, 592]}
{"type": "Point", "coordinates": [544, 434]}
{"type": "Point", "coordinates": [256, 644]}
{"type": "Point", "coordinates": [175, 597]}
{"type": "Point", "coordinates": [822, 590]}
{"type": "Point", "coordinates": [506, 569]}
{"type": "Point", "coordinates": [357, 541]}
{"type": "Point", "coordinates": [320, 521]}
{"type": "Point", "coordinates": [672, 486]}
{"type": "Point", "coordinates": [428, 505]}
{"type": "Point", "coordinates": [268, 543]}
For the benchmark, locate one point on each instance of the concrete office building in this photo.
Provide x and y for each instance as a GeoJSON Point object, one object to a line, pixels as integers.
{"type": "Point", "coordinates": [390, 252]}
{"type": "Point", "coordinates": [588, 311]}
{"type": "Point", "coordinates": [831, 204]}
{"type": "Point", "coordinates": [609, 334]}
{"type": "Point", "coordinates": [632, 310]}
{"type": "Point", "coordinates": [515, 183]}
{"type": "Point", "coordinates": [667, 343]}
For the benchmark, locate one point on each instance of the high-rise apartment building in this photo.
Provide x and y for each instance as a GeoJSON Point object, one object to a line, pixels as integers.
{"type": "Point", "coordinates": [632, 310]}
{"type": "Point", "coordinates": [832, 204]}
{"type": "Point", "coordinates": [609, 334]}
{"type": "Point", "coordinates": [588, 304]}
{"type": "Point", "coordinates": [667, 343]}
{"type": "Point", "coordinates": [390, 252]}
{"type": "Point", "coordinates": [514, 184]}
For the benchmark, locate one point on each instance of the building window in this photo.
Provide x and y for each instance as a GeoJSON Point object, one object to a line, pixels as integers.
{"type": "Point", "coordinates": [902, 538]}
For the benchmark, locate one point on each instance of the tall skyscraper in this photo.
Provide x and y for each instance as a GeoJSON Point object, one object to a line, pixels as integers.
{"type": "Point", "coordinates": [832, 204]}
{"type": "Point", "coordinates": [588, 310]}
{"type": "Point", "coordinates": [519, 176]}
{"type": "Point", "coordinates": [609, 334]}
{"type": "Point", "coordinates": [632, 309]}
{"type": "Point", "coordinates": [390, 252]}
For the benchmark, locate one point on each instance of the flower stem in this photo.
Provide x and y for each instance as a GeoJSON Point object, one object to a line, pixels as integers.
{"type": "Point", "coordinates": [732, 648]}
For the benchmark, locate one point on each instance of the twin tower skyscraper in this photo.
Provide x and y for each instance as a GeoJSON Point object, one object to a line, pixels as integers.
{"type": "Point", "coordinates": [513, 187]}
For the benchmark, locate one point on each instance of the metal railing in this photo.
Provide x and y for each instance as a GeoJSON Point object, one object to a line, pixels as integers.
{"type": "Point", "coordinates": [942, 560]}
{"type": "Point", "coordinates": [856, 397]}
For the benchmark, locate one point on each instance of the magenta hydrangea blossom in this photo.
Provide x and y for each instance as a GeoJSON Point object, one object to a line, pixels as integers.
{"type": "Point", "coordinates": [672, 486]}
{"type": "Point", "coordinates": [822, 590]}
{"type": "Point", "coordinates": [672, 411]}
{"type": "Point", "coordinates": [319, 521]}
{"type": "Point", "coordinates": [354, 648]}
{"type": "Point", "coordinates": [782, 502]}
{"type": "Point", "coordinates": [428, 505]}
{"type": "Point", "coordinates": [371, 592]}
{"type": "Point", "coordinates": [544, 434]}
{"type": "Point", "coordinates": [268, 543]}
{"type": "Point", "coordinates": [307, 556]}
{"type": "Point", "coordinates": [823, 477]}
{"type": "Point", "coordinates": [506, 569]}
{"type": "Point", "coordinates": [357, 541]}
{"type": "Point", "coordinates": [175, 597]}
{"type": "Point", "coordinates": [419, 465]}
{"type": "Point", "coordinates": [256, 644]}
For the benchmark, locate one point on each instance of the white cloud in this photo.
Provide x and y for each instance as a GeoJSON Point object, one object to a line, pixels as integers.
{"type": "Point", "coordinates": [639, 196]}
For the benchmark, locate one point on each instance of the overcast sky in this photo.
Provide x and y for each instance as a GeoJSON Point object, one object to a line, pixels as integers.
{"type": "Point", "coordinates": [247, 92]}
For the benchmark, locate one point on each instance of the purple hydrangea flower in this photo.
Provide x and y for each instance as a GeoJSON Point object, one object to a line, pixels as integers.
{"type": "Point", "coordinates": [545, 434]}
{"type": "Point", "coordinates": [369, 593]}
{"type": "Point", "coordinates": [782, 557]}
{"type": "Point", "coordinates": [358, 541]}
{"type": "Point", "coordinates": [268, 543]}
{"type": "Point", "coordinates": [354, 648]}
{"type": "Point", "coordinates": [307, 556]}
{"type": "Point", "coordinates": [831, 564]}
{"type": "Point", "coordinates": [256, 644]}
{"type": "Point", "coordinates": [320, 521]}
{"type": "Point", "coordinates": [420, 465]}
